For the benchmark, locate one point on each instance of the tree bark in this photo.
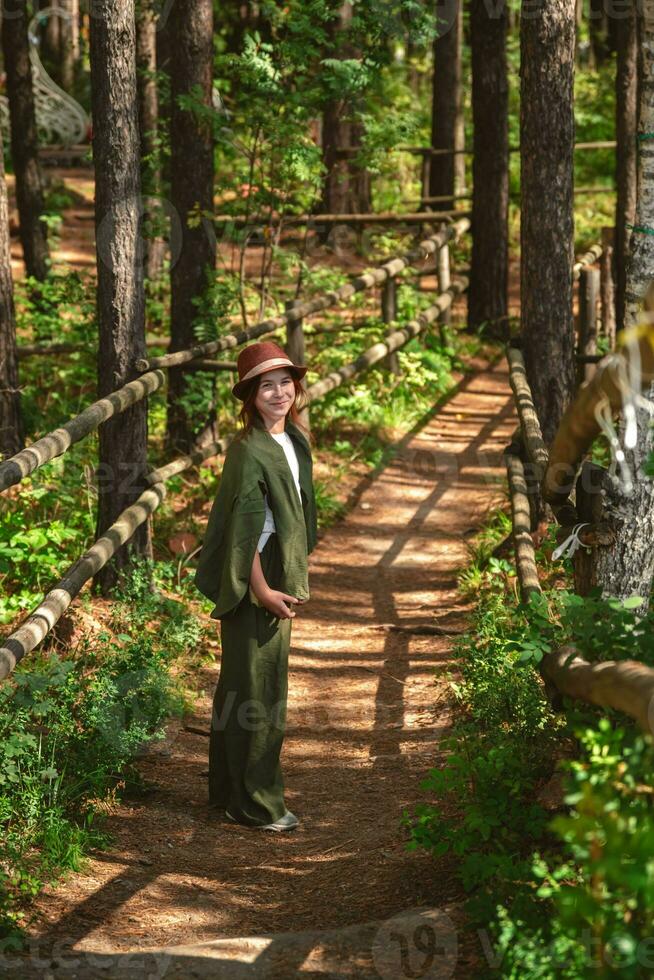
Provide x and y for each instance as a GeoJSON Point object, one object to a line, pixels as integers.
{"type": "Point", "coordinates": [69, 43]}
{"type": "Point", "coordinates": [121, 306]}
{"type": "Point", "coordinates": [599, 32]}
{"type": "Point", "coordinates": [627, 568]}
{"type": "Point", "coordinates": [346, 187]}
{"type": "Point", "coordinates": [547, 215]}
{"type": "Point", "coordinates": [24, 144]}
{"type": "Point", "coordinates": [446, 170]}
{"type": "Point", "coordinates": [11, 429]}
{"type": "Point", "coordinates": [626, 125]}
{"type": "Point", "coordinates": [488, 295]}
{"type": "Point", "coordinates": [51, 43]}
{"type": "Point", "coordinates": [191, 25]}
{"type": "Point", "coordinates": [146, 65]}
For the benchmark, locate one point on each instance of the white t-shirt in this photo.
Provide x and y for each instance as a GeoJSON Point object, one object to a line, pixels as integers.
{"type": "Point", "coordinates": [286, 443]}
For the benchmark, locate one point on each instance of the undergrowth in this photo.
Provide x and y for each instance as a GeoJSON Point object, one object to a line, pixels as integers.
{"type": "Point", "coordinates": [72, 726]}
{"type": "Point", "coordinates": [548, 815]}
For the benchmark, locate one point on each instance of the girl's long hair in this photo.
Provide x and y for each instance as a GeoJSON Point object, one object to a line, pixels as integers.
{"type": "Point", "coordinates": [249, 411]}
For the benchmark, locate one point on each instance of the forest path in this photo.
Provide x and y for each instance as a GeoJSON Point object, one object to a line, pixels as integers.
{"type": "Point", "coordinates": [368, 705]}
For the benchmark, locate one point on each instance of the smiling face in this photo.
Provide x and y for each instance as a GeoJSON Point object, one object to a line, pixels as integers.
{"type": "Point", "coordinates": [275, 395]}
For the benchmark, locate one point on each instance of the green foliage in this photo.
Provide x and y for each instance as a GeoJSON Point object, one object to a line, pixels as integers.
{"type": "Point", "coordinates": [565, 897]}
{"type": "Point", "coordinates": [70, 730]}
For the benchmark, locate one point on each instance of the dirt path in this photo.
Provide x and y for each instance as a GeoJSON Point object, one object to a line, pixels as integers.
{"type": "Point", "coordinates": [367, 706]}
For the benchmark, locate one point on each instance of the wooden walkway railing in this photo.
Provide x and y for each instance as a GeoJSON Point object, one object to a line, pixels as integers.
{"type": "Point", "coordinates": [39, 623]}
{"type": "Point", "coordinates": [626, 685]}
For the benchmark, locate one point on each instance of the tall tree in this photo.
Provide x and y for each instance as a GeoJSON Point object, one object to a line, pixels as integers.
{"type": "Point", "coordinates": [547, 214]}
{"type": "Point", "coordinates": [346, 186]}
{"type": "Point", "coordinates": [148, 103]}
{"type": "Point", "coordinates": [191, 138]}
{"type": "Point", "coordinates": [120, 294]}
{"type": "Point", "coordinates": [627, 567]}
{"type": "Point", "coordinates": [24, 144]}
{"type": "Point", "coordinates": [626, 124]}
{"type": "Point", "coordinates": [487, 296]}
{"type": "Point", "coordinates": [51, 40]}
{"type": "Point", "coordinates": [447, 171]}
{"type": "Point", "coordinates": [69, 42]}
{"type": "Point", "coordinates": [11, 429]}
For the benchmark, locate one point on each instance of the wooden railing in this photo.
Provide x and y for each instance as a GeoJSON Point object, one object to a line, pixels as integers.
{"type": "Point", "coordinates": [533, 471]}
{"type": "Point", "coordinates": [39, 623]}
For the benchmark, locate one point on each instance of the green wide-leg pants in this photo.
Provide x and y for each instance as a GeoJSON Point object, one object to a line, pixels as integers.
{"type": "Point", "coordinates": [249, 707]}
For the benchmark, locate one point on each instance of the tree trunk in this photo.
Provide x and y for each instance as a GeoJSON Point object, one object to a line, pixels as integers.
{"type": "Point", "coordinates": [69, 43]}
{"type": "Point", "coordinates": [51, 43]}
{"type": "Point", "coordinates": [446, 119]}
{"type": "Point", "coordinates": [191, 25]}
{"type": "Point", "coordinates": [121, 306]}
{"type": "Point", "coordinates": [146, 65]}
{"type": "Point", "coordinates": [626, 125]}
{"type": "Point", "coordinates": [336, 185]}
{"type": "Point", "coordinates": [598, 30]}
{"type": "Point", "coordinates": [346, 188]}
{"type": "Point", "coordinates": [487, 296]}
{"type": "Point", "coordinates": [627, 567]}
{"type": "Point", "coordinates": [547, 216]}
{"type": "Point", "coordinates": [361, 189]}
{"type": "Point", "coordinates": [24, 145]}
{"type": "Point", "coordinates": [11, 429]}
{"type": "Point", "coordinates": [163, 57]}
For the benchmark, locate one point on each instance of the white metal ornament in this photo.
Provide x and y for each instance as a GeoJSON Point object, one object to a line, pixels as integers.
{"type": "Point", "coordinates": [60, 119]}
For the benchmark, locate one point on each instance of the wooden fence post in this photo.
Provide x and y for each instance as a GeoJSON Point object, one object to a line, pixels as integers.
{"type": "Point", "coordinates": [389, 315]}
{"type": "Point", "coordinates": [444, 282]}
{"type": "Point", "coordinates": [607, 262]}
{"type": "Point", "coordinates": [589, 289]}
{"type": "Point", "coordinates": [295, 350]}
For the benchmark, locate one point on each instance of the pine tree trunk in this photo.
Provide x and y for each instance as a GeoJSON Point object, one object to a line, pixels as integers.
{"type": "Point", "coordinates": [598, 30]}
{"type": "Point", "coordinates": [626, 126]}
{"type": "Point", "coordinates": [191, 26]}
{"type": "Point", "coordinates": [346, 188]}
{"type": "Point", "coordinates": [11, 429]}
{"type": "Point", "coordinates": [163, 56]}
{"type": "Point", "coordinates": [627, 567]}
{"type": "Point", "coordinates": [336, 185]}
{"type": "Point", "coordinates": [69, 43]}
{"type": "Point", "coordinates": [51, 43]}
{"type": "Point", "coordinates": [547, 215]}
{"type": "Point", "coordinates": [24, 144]}
{"type": "Point", "coordinates": [121, 307]}
{"type": "Point", "coordinates": [446, 118]}
{"type": "Point", "coordinates": [487, 294]}
{"type": "Point", "coordinates": [146, 64]}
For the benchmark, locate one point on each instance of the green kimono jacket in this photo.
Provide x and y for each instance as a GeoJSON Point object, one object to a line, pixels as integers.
{"type": "Point", "coordinates": [254, 466]}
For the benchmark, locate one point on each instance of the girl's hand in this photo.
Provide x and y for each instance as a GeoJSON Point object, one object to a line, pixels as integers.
{"type": "Point", "coordinates": [276, 603]}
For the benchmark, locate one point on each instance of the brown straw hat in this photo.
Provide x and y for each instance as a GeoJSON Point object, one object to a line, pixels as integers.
{"type": "Point", "coordinates": [258, 358]}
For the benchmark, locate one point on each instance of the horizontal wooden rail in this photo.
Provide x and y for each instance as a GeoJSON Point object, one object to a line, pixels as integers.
{"type": "Point", "coordinates": [17, 467]}
{"type": "Point", "coordinates": [379, 218]}
{"type": "Point", "coordinates": [393, 341]}
{"type": "Point", "coordinates": [625, 685]}
{"type": "Point", "coordinates": [37, 625]}
{"type": "Point", "coordinates": [430, 151]}
{"type": "Point", "coordinates": [368, 280]}
{"type": "Point", "coordinates": [30, 350]}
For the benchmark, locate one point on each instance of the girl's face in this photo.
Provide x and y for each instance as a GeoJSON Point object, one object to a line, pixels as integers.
{"type": "Point", "coordinates": [276, 394]}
